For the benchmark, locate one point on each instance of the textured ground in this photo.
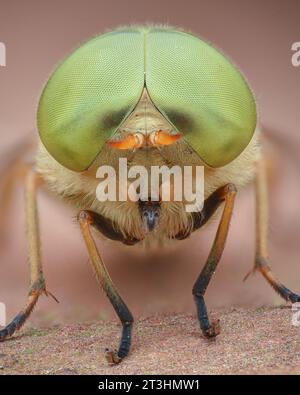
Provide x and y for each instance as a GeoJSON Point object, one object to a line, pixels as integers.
{"type": "Point", "coordinates": [252, 341]}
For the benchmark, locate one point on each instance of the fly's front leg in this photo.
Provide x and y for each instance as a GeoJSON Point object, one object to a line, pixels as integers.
{"type": "Point", "coordinates": [86, 220]}
{"type": "Point", "coordinates": [226, 193]}
{"type": "Point", "coordinates": [262, 223]}
{"type": "Point", "coordinates": [37, 281]}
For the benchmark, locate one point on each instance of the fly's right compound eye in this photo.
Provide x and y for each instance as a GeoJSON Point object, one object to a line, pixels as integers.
{"type": "Point", "coordinates": [89, 95]}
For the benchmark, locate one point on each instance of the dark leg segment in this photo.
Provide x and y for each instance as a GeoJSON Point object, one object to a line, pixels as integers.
{"type": "Point", "coordinates": [86, 220]}
{"type": "Point", "coordinates": [226, 193]}
{"type": "Point", "coordinates": [105, 226]}
{"type": "Point", "coordinates": [210, 206]}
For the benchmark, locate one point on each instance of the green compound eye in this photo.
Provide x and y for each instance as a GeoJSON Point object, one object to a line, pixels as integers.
{"type": "Point", "coordinates": [89, 95]}
{"type": "Point", "coordinates": [187, 76]}
{"type": "Point", "coordinates": [192, 84]}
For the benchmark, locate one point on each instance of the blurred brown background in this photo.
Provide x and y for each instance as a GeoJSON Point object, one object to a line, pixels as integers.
{"type": "Point", "coordinates": [258, 37]}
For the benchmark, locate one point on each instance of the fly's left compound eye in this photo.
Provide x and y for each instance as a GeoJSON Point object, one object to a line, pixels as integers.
{"type": "Point", "coordinates": [89, 95]}
{"type": "Point", "coordinates": [200, 91]}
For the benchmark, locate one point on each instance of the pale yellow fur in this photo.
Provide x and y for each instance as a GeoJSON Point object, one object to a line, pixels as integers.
{"type": "Point", "coordinates": [80, 188]}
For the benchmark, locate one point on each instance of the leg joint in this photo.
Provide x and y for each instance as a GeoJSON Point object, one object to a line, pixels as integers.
{"type": "Point", "coordinates": [37, 286]}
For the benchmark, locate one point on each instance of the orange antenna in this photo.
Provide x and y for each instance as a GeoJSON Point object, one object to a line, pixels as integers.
{"type": "Point", "coordinates": [131, 141]}
{"type": "Point", "coordinates": [163, 138]}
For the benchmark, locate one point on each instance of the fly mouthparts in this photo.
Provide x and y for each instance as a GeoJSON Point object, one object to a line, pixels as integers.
{"type": "Point", "coordinates": [150, 213]}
